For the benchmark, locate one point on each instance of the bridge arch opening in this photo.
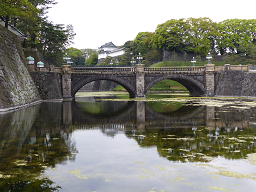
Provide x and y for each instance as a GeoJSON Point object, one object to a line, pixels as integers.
{"type": "Point", "coordinates": [78, 83]}
{"type": "Point", "coordinates": [168, 85]}
{"type": "Point", "coordinates": [194, 87]}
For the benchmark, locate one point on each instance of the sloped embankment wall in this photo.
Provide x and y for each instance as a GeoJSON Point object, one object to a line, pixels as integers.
{"type": "Point", "coordinates": [17, 88]}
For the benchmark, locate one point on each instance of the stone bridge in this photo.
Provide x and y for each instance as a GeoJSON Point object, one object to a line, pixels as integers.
{"type": "Point", "coordinates": [138, 80]}
{"type": "Point", "coordinates": [208, 80]}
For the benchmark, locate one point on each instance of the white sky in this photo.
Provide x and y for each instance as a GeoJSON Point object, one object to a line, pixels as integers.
{"type": "Point", "coordinates": [97, 22]}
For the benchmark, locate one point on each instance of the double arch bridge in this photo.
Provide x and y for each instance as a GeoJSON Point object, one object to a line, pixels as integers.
{"type": "Point", "coordinates": [139, 79]}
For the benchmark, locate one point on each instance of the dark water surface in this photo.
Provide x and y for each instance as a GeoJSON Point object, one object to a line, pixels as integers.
{"type": "Point", "coordinates": [156, 145]}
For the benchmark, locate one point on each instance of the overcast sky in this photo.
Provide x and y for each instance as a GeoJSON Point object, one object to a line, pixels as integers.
{"type": "Point", "coordinates": [97, 22]}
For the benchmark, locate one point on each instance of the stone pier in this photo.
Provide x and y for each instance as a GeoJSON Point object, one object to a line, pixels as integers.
{"type": "Point", "coordinates": [209, 78]}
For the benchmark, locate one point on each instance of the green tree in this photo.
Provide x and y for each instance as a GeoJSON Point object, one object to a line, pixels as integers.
{"type": "Point", "coordinates": [76, 55]}
{"type": "Point", "coordinates": [128, 44]}
{"type": "Point", "coordinates": [53, 40]}
{"type": "Point", "coordinates": [252, 53]}
{"type": "Point", "coordinates": [31, 25]}
{"type": "Point", "coordinates": [126, 58]}
{"type": "Point", "coordinates": [146, 63]}
{"type": "Point", "coordinates": [198, 59]}
{"type": "Point", "coordinates": [193, 35]}
{"type": "Point", "coordinates": [236, 35]}
{"type": "Point", "coordinates": [201, 35]}
{"type": "Point", "coordinates": [107, 61]}
{"type": "Point", "coordinates": [153, 55]}
{"type": "Point", "coordinates": [143, 42]}
{"type": "Point", "coordinates": [170, 35]}
{"type": "Point", "coordinates": [92, 60]}
{"type": "Point", "coordinates": [12, 8]}
{"type": "Point", "coordinates": [44, 4]}
{"type": "Point", "coordinates": [87, 52]}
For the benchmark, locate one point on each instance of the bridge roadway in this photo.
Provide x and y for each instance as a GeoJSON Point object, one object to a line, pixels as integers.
{"type": "Point", "coordinates": [138, 80]}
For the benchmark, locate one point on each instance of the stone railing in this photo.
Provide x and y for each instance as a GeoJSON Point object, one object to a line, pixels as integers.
{"type": "Point", "coordinates": [146, 69]}
{"type": "Point", "coordinates": [102, 69]}
{"type": "Point", "coordinates": [218, 68]}
{"type": "Point", "coordinates": [167, 69]}
{"type": "Point", "coordinates": [233, 67]}
{"type": "Point", "coordinates": [239, 68]}
{"type": "Point", "coordinates": [43, 69]}
{"type": "Point", "coordinates": [58, 69]}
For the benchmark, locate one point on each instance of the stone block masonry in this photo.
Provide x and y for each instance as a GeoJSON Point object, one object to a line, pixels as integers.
{"type": "Point", "coordinates": [48, 84]}
{"type": "Point", "coordinates": [17, 88]}
{"type": "Point", "coordinates": [235, 83]}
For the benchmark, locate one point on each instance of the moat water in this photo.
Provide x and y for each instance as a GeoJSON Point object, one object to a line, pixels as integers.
{"type": "Point", "coordinates": [113, 144]}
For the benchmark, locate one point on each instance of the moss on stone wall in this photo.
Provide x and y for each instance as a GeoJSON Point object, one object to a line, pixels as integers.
{"type": "Point", "coordinates": [17, 88]}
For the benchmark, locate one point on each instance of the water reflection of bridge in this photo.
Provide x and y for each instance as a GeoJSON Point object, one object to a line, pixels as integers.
{"type": "Point", "coordinates": [139, 115]}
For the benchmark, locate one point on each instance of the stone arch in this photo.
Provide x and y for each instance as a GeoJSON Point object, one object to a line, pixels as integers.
{"type": "Point", "coordinates": [91, 78]}
{"type": "Point", "coordinates": [194, 87]}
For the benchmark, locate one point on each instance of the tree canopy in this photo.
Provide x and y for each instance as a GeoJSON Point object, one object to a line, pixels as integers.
{"type": "Point", "coordinates": [236, 35]}
{"type": "Point", "coordinates": [190, 35]}
{"type": "Point", "coordinates": [76, 55]}
{"type": "Point", "coordinates": [29, 16]}
{"type": "Point", "coordinates": [16, 8]}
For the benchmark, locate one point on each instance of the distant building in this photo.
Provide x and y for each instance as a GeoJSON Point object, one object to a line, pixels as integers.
{"type": "Point", "coordinates": [111, 50]}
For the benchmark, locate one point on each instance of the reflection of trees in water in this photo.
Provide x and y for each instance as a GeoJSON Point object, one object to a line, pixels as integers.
{"type": "Point", "coordinates": [31, 140]}
{"type": "Point", "coordinates": [198, 144]}
{"type": "Point", "coordinates": [28, 184]}
{"type": "Point", "coordinates": [228, 132]}
{"type": "Point", "coordinates": [206, 131]}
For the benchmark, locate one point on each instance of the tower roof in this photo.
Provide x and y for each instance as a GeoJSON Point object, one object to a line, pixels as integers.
{"type": "Point", "coordinates": [109, 44]}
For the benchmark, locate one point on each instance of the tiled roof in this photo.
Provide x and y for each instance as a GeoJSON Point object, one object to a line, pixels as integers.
{"type": "Point", "coordinates": [109, 44]}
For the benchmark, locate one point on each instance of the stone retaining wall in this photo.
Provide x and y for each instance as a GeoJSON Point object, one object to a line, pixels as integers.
{"type": "Point", "coordinates": [48, 84]}
{"type": "Point", "coordinates": [17, 88]}
{"type": "Point", "coordinates": [235, 83]}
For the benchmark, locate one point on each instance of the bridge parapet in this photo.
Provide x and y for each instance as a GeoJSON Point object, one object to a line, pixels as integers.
{"type": "Point", "coordinates": [239, 67]}
{"type": "Point", "coordinates": [96, 70]}
{"type": "Point", "coordinates": [232, 67]}
{"type": "Point", "coordinates": [176, 69]}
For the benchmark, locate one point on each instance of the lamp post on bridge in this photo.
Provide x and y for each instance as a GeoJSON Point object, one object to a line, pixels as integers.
{"type": "Point", "coordinates": [133, 62]}
{"type": "Point", "coordinates": [193, 61]}
{"type": "Point", "coordinates": [68, 60]}
{"type": "Point", "coordinates": [139, 57]}
{"type": "Point", "coordinates": [117, 62]}
{"type": "Point", "coordinates": [209, 58]}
